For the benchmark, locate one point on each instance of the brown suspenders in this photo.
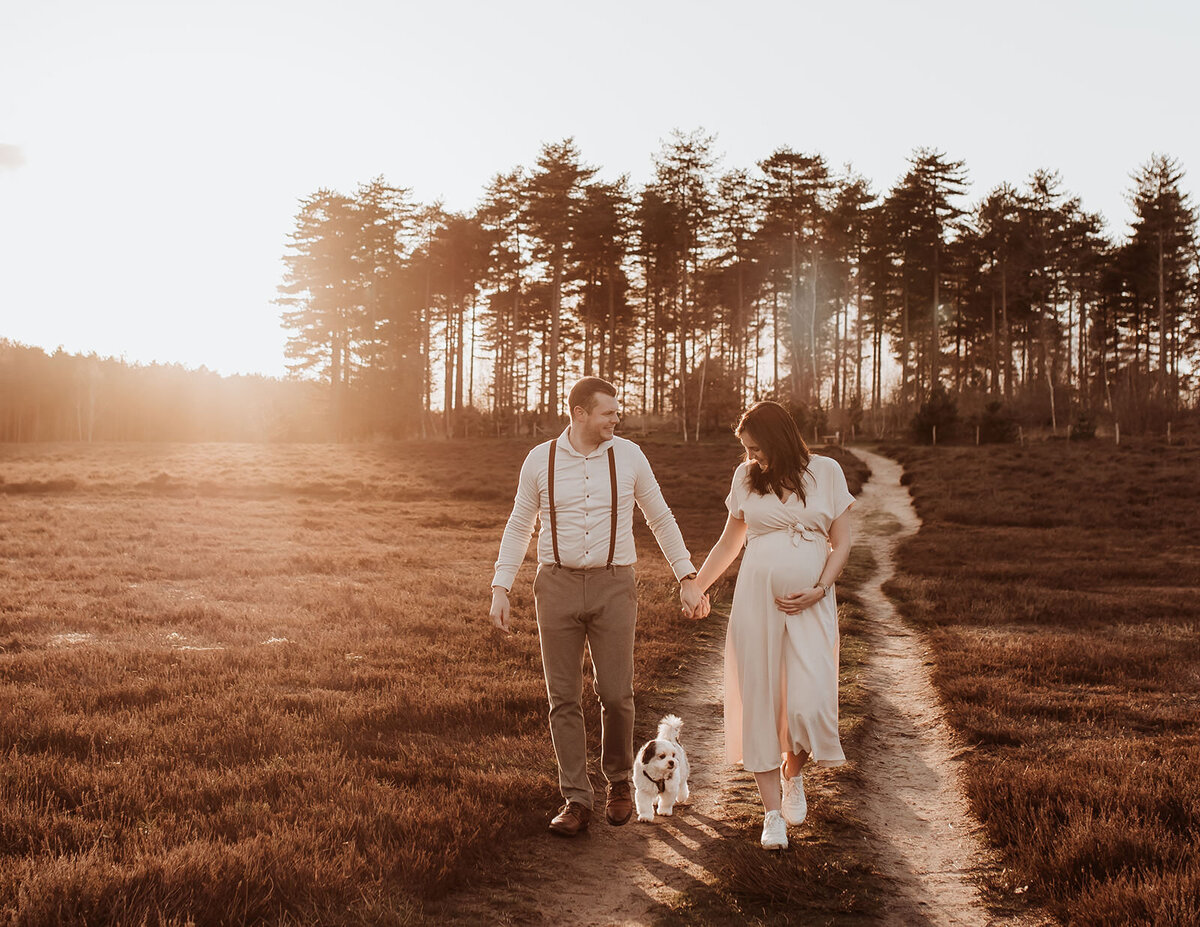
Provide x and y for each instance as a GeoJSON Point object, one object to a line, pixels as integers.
{"type": "Point", "coordinates": [550, 492]}
{"type": "Point", "coordinates": [612, 479]}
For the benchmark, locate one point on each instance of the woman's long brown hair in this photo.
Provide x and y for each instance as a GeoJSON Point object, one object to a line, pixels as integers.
{"type": "Point", "coordinates": [774, 431]}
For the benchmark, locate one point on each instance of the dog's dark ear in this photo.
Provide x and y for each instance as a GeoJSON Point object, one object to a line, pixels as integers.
{"type": "Point", "coordinates": [648, 753]}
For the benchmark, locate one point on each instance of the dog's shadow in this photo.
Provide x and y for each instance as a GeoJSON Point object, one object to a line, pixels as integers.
{"type": "Point", "coordinates": [689, 837]}
{"type": "Point", "coordinates": [688, 824]}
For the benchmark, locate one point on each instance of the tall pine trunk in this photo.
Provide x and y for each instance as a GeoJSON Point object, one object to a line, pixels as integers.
{"type": "Point", "coordinates": [1008, 345]}
{"type": "Point", "coordinates": [1162, 320]}
{"type": "Point", "coordinates": [607, 362]}
{"type": "Point", "coordinates": [555, 332]}
{"type": "Point", "coordinates": [812, 334]}
{"type": "Point", "coordinates": [994, 381]}
{"type": "Point", "coordinates": [935, 366]}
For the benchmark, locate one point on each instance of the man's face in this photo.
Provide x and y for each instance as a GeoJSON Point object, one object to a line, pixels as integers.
{"type": "Point", "coordinates": [599, 424]}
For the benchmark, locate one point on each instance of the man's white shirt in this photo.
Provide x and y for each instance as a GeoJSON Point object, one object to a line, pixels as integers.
{"type": "Point", "coordinates": [583, 510]}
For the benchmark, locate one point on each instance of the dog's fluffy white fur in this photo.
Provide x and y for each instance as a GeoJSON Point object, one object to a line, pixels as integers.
{"type": "Point", "coordinates": [660, 772]}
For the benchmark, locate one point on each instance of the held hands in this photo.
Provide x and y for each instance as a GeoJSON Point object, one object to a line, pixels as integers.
{"type": "Point", "coordinates": [695, 603]}
{"type": "Point", "coordinates": [798, 601]}
{"type": "Point", "coordinates": [501, 613]}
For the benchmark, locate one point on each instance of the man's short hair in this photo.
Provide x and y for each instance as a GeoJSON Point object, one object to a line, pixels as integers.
{"type": "Point", "coordinates": [584, 393]}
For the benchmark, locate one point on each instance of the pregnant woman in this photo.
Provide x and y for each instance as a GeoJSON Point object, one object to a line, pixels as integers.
{"type": "Point", "coordinates": [789, 508]}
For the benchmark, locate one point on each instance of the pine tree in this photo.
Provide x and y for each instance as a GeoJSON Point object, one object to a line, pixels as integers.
{"type": "Point", "coordinates": [997, 219]}
{"type": "Point", "coordinates": [1162, 262]}
{"type": "Point", "coordinates": [501, 214]}
{"type": "Point", "coordinates": [934, 182]}
{"type": "Point", "coordinates": [553, 198]}
{"type": "Point", "coordinates": [684, 179]}
{"type": "Point", "coordinates": [797, 199]}
{"type": "Point", "coordinates": [324, 294]}
{"type": "Point", "coordinates": [602, 243]}
{"type": "Point", "coordinates": [848, 229]}
{"type": "Point", "coordinates": [739, 283]}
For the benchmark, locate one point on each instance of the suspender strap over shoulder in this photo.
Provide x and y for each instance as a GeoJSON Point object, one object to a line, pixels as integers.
{"type": "Point", "coordinates": [550, 493]}
{"type": "Point", "coordinates": [612, 480]}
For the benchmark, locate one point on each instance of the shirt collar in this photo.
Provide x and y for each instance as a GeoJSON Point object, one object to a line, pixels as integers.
{"type": "Point", "coordinates": [564, 443]}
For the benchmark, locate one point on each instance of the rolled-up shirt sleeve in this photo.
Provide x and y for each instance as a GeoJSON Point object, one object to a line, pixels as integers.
{"type": "Point", "coordinates": [649, 498]}
{"type": "Point", "coordinates": [519, 529]}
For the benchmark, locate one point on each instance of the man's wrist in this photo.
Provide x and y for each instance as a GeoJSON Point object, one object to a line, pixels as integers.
{"type": "Point", "coordinates": [496, 589]}
{"type": "Point", "coordinates": [690, 578]}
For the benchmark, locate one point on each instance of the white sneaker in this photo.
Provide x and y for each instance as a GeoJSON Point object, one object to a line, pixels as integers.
{"type": "Point", "coordinates": [774, 835]}
{"type": "Point", "coordinates": [795, 806]}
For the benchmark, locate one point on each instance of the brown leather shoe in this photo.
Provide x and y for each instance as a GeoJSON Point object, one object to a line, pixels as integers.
{"type": "Point", "coordinates": [571, 819]}
{"type": "Point", "coordinates": [618, 809]}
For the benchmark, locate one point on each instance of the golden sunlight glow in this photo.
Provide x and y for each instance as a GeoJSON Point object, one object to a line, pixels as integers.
{"type": "Point", "coordinates": [152, 155]}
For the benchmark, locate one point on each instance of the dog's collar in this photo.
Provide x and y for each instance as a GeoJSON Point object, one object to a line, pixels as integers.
{"type": "Point", "coordinates": [660, 784]}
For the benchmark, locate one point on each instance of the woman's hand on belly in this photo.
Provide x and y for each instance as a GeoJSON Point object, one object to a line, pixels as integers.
{"type": "Point", "coordinates": [798, 601]}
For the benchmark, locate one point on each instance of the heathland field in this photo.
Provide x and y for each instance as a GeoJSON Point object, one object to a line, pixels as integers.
{"type": "Point", "coordinates": [257, 684]}
{"type": "Point", "coordinates": [1058, 585]}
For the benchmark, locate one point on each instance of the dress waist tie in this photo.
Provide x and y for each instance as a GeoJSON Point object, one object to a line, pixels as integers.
{"type": "Point", "coordinates": [798, 532]}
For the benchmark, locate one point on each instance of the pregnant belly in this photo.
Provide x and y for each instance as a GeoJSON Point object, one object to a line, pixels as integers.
{"type": "Point", "coordinates": [772, 560]}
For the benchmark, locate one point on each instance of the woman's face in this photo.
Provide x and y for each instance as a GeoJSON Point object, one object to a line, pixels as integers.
{"type": "Point", "coordinates": [753, 451]}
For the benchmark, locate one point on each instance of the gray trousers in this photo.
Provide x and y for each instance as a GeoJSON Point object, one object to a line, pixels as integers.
{"type": "Point", "coordinates": [598, 607]}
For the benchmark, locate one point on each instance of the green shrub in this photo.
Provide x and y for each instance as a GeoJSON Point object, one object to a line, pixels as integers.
{"type": "Point", "coordinates": [996, 424]}
{"type": "Point", "coordinates": [939, 411]}
{"type": "Point", "coordinates": [1082, 427]}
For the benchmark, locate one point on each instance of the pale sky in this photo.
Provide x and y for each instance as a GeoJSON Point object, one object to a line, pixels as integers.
{"type": "Point", "coordinates": [153, 154]}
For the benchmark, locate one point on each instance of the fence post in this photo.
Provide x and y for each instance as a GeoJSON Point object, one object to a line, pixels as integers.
{"type": "Point", "coordinates": [1168, 433]}
{"type": "Point", "coordinates": [1021, 434]}
{"type": "Point", "coordinates": [935, 435]}
{"type": "Point", "coordinates": [1117, 428]}
{"type": "Point", "coordinates": [977, 436]}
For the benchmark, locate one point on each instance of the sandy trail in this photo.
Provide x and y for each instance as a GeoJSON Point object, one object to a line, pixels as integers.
{"type": "Point", "coordinates": [925, 842]}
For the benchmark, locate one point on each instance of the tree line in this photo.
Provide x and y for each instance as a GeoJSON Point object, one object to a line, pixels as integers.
{"type": "Point", "coordinates": [708, 287]}
{"type": "Point", "coordinates": [697, 292]}
{"type": "Point", "coordinates": [71, 397]}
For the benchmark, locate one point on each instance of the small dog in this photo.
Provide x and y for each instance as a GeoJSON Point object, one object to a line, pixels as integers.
{"type": "Point", "coordinates": [660, 772]}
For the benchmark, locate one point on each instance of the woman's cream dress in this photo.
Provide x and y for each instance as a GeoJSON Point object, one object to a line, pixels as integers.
{"type": "Point", "coordinates": [781, 671]}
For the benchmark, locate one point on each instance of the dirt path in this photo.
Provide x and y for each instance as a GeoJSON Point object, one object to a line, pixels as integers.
{"type": "Point", "coordinates": [926, 843]}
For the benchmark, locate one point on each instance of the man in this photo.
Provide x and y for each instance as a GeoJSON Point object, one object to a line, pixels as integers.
{"type": "Point", "coordinates": [583, 486]}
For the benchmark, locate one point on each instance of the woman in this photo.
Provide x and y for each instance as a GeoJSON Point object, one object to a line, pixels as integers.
{"type": "Point", "coordinates": [790, 509]}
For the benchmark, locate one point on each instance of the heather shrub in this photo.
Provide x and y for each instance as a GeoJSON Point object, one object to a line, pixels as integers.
{"type": "Point", "coordinates": [939, 411]}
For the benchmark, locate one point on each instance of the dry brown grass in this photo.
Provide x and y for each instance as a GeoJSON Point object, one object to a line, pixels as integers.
{"type": "Point", "coordinates": [256, 684]}
{"type": "Point", "coordinates": [1058, 586]}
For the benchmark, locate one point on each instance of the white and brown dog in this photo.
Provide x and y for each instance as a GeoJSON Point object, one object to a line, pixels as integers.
{"type": "Point", "coordinates": [660, 772]}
